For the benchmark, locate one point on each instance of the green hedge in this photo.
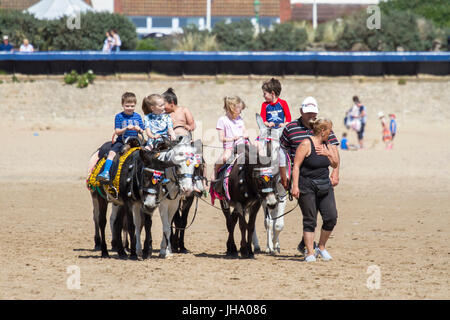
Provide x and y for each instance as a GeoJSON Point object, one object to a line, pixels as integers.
{"type": "Point", "coordinates": [398, 29]}
{"type": "Point", "coordinates": [437, 11]}
{"type": "Point", "coordinates": [55, 35]}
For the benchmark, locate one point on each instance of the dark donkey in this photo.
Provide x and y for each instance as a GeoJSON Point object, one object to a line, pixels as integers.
{"type": "Point", "coordinates": [136, 197]}
{"type": "Point", "coordinates": [250, 182]}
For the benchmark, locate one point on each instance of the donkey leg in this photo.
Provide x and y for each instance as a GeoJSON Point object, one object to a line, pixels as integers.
{"type": "Point", "coordinates": [253, 211]}
{"type": "Point", "coordinates": [278, 225]}
{"type": "Point", "coordinates": [147, 252]}
{"type": "Point", "coordinates": [166, 218]}
{"type": "Point", "coordinates": [243, 227]}
{"type": "Point", "coordinates": [117, 229]}
{"type": "Point", "coordinates": [96, 213]}
{"type": "Point", "coordinates": [255, 242]}
{"type": "Point", "coordinates": [175, 234]}
{"type": "Point", "coordinates": [103, 207]}
{"type": "Point", "coordinates": [134, 229]}
{"type": "Point", "coordinates": [231, 220]}
{"type": "Point", "coordinates": [112, 221]}
{"type": "Point", "coordinates": [186, 206]}
{"type": "Point", "coordinates": [268, 223]}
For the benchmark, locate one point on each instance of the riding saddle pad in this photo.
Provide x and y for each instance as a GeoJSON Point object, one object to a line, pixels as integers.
{"type": "Point", "coordinates": [219, 188]}
{"type": "Point", "coordinates": [114, 172]}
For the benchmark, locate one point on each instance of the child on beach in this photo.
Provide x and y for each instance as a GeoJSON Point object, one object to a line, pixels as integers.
{"type": "Point", "coordinates": [231, 130]}
{"type": "Point", "coordinates": [387, 138]}
{"type": "Point", "coordinates": [392, 127]}
{"type": "Point", "coordinates": [157, 122]}
{"type": "Point", "coordinates": [344, 141]}
{"type": "Point", "coordinates": [127, 124]}
{"type": "Point", "coordinates": [274, 111]}
{"type": "Point", "coordinates": [345, 145]}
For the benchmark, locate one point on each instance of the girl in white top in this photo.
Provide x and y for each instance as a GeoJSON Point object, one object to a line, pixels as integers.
{"type": "Point", "coordinates": [231, 129]}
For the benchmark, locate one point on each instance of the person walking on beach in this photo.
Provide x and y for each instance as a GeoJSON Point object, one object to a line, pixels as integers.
{"type": "Point", "coordinates": [293, 135]}
{"type": "Point", "coordinates": [312, 187]}
{"type": "Point", "coordinates": [362, 116]}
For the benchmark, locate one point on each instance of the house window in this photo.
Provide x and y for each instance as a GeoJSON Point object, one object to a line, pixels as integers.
{"type": "Point", "coordinates": [139, 22]}
{"type": "Point", "coordinates": [215, 20]}
{"type": "Point", "coordinates": [186, 21]}
{"type": "Point", "coordinates": [162, 22]}
{"type": "Point", "coordinates": [267, 21]}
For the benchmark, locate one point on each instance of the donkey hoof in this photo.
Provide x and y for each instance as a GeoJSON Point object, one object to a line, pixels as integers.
{"type": "Point", "coordinates": [257, 250]}
{"type": "Point", "coordinates": [146, 255]}
{"type": "Point", "coordinates": [134, 257]}
{"type": "Point", "coordinates": [232, 254]}
{"type": "Point", "coordinates": [105, 254]}
{"type": "Point", "coordinates": [183, 250]}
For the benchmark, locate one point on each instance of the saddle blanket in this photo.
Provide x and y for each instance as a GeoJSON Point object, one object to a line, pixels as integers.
{"type": "Point", "coordinates": [93, 184]}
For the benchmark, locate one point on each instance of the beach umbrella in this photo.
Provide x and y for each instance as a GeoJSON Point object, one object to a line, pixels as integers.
{"type": "Point", "coordinates": [55, 9]}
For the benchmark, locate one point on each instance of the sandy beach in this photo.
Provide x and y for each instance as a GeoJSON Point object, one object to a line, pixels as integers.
{"type": "Point", "coordinates": [393, 205]}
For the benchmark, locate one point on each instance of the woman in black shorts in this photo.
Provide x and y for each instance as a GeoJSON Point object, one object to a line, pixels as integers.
{"type": "Point", "coordinates": [312, 187]}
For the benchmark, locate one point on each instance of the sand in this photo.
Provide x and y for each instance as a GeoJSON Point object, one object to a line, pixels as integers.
{"type": "Point", "coordinates": [393, 205]}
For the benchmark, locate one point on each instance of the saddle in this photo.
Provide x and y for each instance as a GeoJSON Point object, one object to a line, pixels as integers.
{"type": "Point", "coordinates": [113, 187]}
{"type": "Point", "coordinates": [219, 187]}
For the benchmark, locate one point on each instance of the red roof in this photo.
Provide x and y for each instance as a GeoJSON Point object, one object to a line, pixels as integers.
{"type": "Point", "coordinates": [183, 8]}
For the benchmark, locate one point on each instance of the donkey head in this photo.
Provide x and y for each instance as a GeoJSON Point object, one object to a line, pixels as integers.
{"type": "Point", "coordinates": [262, 176]}
{"type": "Point", "coordinates": [186, 158]}
{"type": "Point", "coordinates": [269, 142]}
{"type": "Point", "coordinates": [151, 179]}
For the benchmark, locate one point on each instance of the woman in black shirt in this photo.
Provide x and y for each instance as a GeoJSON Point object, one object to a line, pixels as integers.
{"type": "Point", "coordinates": [312, 187]}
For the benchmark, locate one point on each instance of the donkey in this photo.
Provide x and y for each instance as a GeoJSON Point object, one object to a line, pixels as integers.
{"type": "Point", "coordinates": [250, 182]}
{"type": "Point", "coordinates": [181, 161]}
{"type": "Point", "coordinates": [133, 195]}
{"type": "Point", "coordinates": [180, 218]}
{"type": "Point", "coordinates": [269, 140]}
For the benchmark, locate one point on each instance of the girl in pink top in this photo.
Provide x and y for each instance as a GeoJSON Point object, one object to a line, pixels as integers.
{"type": "Point", "coordinates": [231, 129]}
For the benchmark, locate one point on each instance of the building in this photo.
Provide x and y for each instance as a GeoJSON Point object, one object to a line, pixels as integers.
{"type": "Point", "coordinates": [170, 16]}
{"type": "Point", "coordinates": [326, 10]}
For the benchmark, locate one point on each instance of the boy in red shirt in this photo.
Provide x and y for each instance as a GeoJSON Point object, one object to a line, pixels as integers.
{"type": "Point", "coordinates": [274, 111]}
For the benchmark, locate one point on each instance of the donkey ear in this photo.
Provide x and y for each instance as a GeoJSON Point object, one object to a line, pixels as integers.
{"type": "Point", "coordinates": [260, 122]}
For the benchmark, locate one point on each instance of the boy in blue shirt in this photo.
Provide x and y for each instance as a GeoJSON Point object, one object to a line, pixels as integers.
{"type": "Point", "coordinates": [344, 141]}
{"type": "Point", "coordinates": [127, 124]}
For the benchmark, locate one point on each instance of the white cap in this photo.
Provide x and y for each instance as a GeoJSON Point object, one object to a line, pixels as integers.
{"type": "Point", "coordinates": [5, 37]}
{"type": "Point", "coordinates": [309, 105]}
{"type": "Point", "coordinates": [380, 114]}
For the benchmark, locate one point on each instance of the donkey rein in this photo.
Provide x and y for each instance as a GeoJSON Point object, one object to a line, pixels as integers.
{"type": "Point", "coordinates": [193, 218]}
